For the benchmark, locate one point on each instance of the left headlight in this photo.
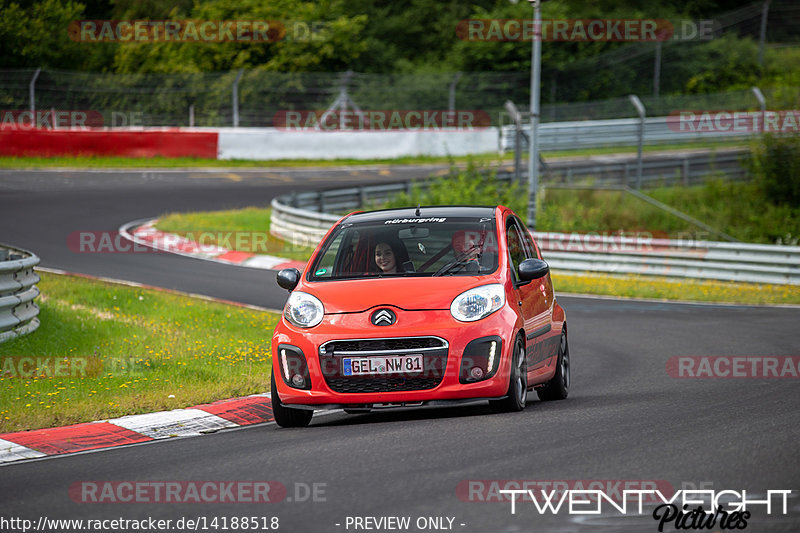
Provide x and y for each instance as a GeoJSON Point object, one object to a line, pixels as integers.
{"type": "Point", "coordinates": [478, 303]}
{"type": "Point", "coordinates": [303, 310]}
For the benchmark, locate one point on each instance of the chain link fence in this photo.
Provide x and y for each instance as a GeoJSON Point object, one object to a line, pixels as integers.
{"type": "Point", "coordinates": [207, 99]}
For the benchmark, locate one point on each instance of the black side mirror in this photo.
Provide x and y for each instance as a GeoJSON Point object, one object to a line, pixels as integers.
{"type": "Point", "coordinates": [288, 278]}
{"type": "Point", "coordinates": [532, 269]}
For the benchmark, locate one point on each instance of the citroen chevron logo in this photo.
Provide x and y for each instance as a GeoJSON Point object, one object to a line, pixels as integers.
{"type": "Point", "coordinates": [383, 317]}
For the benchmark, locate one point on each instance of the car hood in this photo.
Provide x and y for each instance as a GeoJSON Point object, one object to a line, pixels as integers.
{"type": "Point", "coordinates": [424, 293]}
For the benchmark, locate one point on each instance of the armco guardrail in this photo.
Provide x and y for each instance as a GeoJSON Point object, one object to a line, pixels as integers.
{"type": "Point", "coordinates": [293, 219]}
{"type": "Point", "coordinates": [614, 132]}
{"type": "Point", "coordinates": [18, 312]}
{"type": "Point", "coordinates": [757, 263]}
{"type": "Point", "coordinates": [687, 169]}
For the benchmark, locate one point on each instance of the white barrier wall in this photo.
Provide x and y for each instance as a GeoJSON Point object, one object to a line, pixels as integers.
{"type": "Point", "coordinates": [272, 143]}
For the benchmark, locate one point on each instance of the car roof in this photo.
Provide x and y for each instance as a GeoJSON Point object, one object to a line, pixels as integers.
{"type": "Point", "coordinates": [453, 211]}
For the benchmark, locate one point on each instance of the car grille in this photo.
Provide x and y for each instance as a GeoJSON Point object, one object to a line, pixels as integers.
{"type": "Point", "coordinates": [384, 384]}
{"type": "Point", "coordinates": [433, 349]}
{"type": "Point", "coordinates": [398, 344]}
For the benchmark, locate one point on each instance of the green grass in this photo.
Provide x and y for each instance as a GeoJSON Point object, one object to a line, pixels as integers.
{"type": "Point", "coordinates": [250, 226]}
{"type": "Point", "coordinates": [190, 162]}
{"type": "Point", "coordinates": [736, 208]}
{"type": "Point", "coordinates": [141, 351]}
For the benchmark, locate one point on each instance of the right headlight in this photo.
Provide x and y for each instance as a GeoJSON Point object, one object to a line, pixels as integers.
{"type": "Point", "coordinates": [303, 310]}
{"type": "Point", "coordinates": [478, 303]}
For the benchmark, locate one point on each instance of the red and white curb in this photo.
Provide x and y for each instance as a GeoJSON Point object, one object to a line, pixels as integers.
{"type": "Point", "coordinates": [134, 429]}
{"type": "Point", "coordinates": [145, 233]}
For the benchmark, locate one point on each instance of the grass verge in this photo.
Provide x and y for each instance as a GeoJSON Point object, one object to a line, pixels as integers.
{"type": "Point", "coordinates": [244, 230]}
{"type": "Point", "coordinates": [105, 350]}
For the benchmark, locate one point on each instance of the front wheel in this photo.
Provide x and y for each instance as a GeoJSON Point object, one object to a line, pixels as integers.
{"type": "Point", "coordinates": [517, 395]}
{"type": "Point", "coordinates": [287, 417]}
{"type": "Point", "coordinates": [558, 387]}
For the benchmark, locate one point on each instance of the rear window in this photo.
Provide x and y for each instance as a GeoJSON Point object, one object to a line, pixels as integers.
{"type": "Point", "coordinates": [409, 247]}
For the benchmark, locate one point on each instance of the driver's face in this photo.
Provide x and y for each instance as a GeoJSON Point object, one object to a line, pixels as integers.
{"type": "Point", "coordinates": [384, 257]}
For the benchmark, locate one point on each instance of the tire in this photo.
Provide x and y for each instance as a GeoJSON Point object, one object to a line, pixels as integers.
{"type": "Point", "coordinates": [558, 387]}
{"type": "Point", "coordinates": [287, 417]}
{"type": "Point", "coordinates": [517, 395]}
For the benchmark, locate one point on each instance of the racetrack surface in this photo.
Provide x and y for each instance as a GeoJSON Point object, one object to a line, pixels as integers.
{"type": "Point", "coordinates": [626, 418]}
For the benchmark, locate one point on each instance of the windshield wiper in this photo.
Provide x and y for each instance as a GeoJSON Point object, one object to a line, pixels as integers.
{"type": "Point", "coordinates": [466, 256]}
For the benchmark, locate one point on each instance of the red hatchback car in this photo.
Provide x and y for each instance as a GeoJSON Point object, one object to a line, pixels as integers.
{"type": "Point", "coordinates": [425, 306]}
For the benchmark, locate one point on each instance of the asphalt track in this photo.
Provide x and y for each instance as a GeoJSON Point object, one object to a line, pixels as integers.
{"type": "Point", "coordinates": [626, 418]}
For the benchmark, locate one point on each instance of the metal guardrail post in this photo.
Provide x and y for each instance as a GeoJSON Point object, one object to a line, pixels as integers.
{"type": "Point", "coordinates": [639, 109]}
{"type": "Point", "coordinates": [762, 34]}
{"type": "Point", "coordinates": [516, 117]}
{"type": "Point", "coordinates": [32, 90]}
{"type": "Point", "coordinates": [657, 71]}
{"type": "Point", "coordinates": [235, 96]}
{"type": "Point", "coordinates": [685, 172]}
{"type": "Point", "coordinates": [533, 149]}
{"type": "Point", "coordinates": [762, 104]}
{"type": "Point", "coordinates": [451, 104]}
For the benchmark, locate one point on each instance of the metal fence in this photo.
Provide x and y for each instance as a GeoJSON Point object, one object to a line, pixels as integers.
{"type": "Point", "coordinates": [18, 312]}
{"type": "Point", "coordinates": [255, 97]}
{"type": "Point", "coordinates": [620, 132]}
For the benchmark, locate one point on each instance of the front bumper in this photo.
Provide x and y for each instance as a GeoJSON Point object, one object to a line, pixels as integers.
{"type": "Point", "coordinates": [442, 378]}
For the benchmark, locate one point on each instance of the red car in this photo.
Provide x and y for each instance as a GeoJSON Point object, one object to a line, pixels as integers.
{"type": "Point", "coordinates": [408, 307]}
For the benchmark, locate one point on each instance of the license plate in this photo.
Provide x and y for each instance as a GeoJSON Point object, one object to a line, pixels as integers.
{"type": "Point", "coordinates": [391, 364]}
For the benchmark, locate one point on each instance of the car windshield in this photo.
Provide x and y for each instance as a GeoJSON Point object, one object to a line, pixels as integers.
{"type": "Point", "coordinates": [408, 247]}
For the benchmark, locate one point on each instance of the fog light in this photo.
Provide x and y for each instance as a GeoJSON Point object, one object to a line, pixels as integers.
{"type": "Point", "coordinates": [480, 359]}
{"type": "Point", "coordinates": [293, 368]}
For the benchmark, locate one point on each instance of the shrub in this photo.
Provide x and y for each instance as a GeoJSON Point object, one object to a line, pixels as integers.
{"type": "Point", "coordinates": [775, 164]}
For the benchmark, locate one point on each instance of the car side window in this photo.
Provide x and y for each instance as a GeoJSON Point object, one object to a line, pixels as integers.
{"type": "Point", "coordinates": [530, 246]}
{"type": "Point", "coordinates": [516, 249]}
